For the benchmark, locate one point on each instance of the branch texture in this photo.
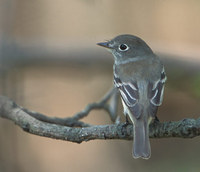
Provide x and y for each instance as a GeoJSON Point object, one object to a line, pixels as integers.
{"type": "Point", "coordinates": [63, 129]}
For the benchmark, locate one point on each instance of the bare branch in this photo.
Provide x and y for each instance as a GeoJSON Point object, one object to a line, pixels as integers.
{"type": "Point", "coordinates": [186, 128]}
{"type": "Point", "coordinates": [70, 122]}
{"type": "Point", "coordinates": [100, 105]}
{"type": "Point", "coordinates": [113, 106]}
{"type": "Point", "coordinates": [74, 121]}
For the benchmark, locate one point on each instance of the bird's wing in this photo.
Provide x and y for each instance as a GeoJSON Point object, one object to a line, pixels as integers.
{"type": "Point", "coordinates": [130, 94]}
{"type": "Point", "coordinates": [156, 89]}
{"type": "Point", "coordinates": [155, 93]}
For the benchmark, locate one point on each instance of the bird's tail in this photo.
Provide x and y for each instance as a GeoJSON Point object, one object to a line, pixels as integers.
{"type": "Point", "coordinates": [141, 147]}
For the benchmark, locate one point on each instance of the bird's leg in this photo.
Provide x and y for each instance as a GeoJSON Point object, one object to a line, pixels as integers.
{"type": "Point", "coordinates": [127, 122]}
{"type": "Point", "coordinates": [156, 119]}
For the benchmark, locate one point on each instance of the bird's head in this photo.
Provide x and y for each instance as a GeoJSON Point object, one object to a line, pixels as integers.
{"type": "Point", "coordinates": [124, 47]}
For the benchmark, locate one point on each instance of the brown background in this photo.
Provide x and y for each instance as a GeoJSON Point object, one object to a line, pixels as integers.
{"type": "Point", "coordinates": [81, 72]}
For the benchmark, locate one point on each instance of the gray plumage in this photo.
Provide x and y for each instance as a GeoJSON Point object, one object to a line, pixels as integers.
{"type": "Point", "coordinates": [139, 75]}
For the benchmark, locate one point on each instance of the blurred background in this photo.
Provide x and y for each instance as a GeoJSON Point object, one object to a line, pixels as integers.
{"type": "Point", "coordinates": [49, 62]}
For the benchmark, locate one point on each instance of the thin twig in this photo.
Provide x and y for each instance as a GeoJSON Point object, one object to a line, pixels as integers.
{"type": "Point", "coordinates": [114, 105]}
{"type": "Point", "coordinates": [74, 121]}
{"type": "Point", "coordinates": [70, 122]}
{"type": "Point", "coordinates": [99, 105]}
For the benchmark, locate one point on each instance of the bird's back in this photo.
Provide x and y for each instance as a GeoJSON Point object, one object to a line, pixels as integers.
{"type": "Point", "coordinates": [135, 70]}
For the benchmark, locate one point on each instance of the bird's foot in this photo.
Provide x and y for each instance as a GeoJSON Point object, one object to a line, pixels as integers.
{"type": "Point", "coordinates": [156, 119]}
{"type": "Point", "coordinates": [126, 122]}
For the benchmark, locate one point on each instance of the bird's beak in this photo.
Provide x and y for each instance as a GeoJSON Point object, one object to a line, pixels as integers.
{"type": "Point", "coordinates": [105, 44]}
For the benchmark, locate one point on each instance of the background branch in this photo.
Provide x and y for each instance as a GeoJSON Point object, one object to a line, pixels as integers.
{"type": "Point", "coordinates": [186, 128]}
{"type": "Point", "coordinates": [74, 121]}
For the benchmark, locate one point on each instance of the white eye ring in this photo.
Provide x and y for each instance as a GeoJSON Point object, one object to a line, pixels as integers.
{"type": "Point", "coordinates": [123, 47]}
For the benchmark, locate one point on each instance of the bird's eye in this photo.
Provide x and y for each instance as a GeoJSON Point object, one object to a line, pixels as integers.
{"type": "Point", "coordinates": [123, 47]}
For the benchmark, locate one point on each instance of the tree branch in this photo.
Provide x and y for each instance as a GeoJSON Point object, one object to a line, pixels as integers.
{"type": "Point", "coordinates": [186, 128]}
{"type": "Point", "coordinates": [74, 121]}
{"type": "Point", "coordinates": [100, 105]}
{"type": "Point", "coordinates": [70, 121]}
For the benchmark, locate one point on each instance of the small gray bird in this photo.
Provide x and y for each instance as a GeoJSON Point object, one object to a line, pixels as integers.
{"type": "Point", "coordinates": [139, 76]}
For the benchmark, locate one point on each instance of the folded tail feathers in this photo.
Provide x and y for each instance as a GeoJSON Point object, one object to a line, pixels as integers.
{"type": "Point", "coordinates": [141, 147]}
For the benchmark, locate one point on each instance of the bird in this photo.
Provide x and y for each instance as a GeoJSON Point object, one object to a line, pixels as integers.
{"type": "Point", "coordinates": [139, 76]}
